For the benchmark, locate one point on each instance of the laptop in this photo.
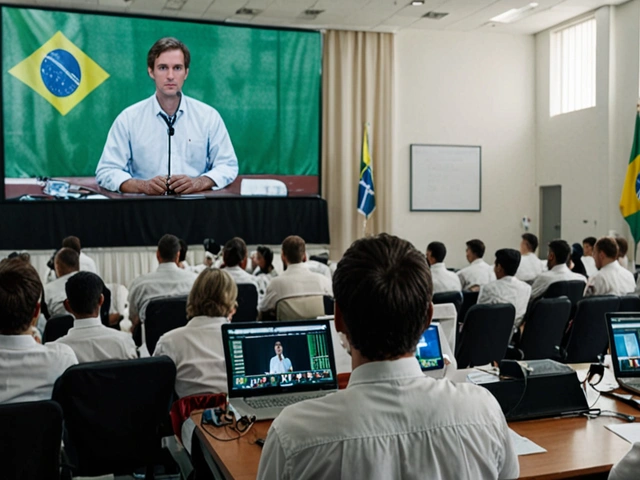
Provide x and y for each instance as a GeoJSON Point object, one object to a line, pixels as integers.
{"type": "Point", "coordinates": [271, 365]}
{"type": "Point", "coordinates": [429, 350]}
{"type": "Point", "coordinates": [624, 341]}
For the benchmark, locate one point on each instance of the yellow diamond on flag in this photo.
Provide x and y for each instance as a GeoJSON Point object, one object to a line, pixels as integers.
{"type": "Point", "coordinates": [60, 72]}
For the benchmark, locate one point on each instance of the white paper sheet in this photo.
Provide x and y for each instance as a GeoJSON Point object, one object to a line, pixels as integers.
{"type": "Point", "coordinates": [628, 431]}
{"type": "Point", "coordinates": [523, 445]}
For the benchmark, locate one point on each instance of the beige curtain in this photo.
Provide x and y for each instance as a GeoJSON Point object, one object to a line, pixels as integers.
{"type": "Point", "coordinates": [357, 88]}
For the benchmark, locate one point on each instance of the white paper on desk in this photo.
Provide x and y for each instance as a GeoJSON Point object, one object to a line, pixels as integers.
{"type": "Point", "coordinates": [627, 431]}
{"type": "Point", "coordinates": [263, 187]}
{"type": "Point", "coordinates": [523, 445]}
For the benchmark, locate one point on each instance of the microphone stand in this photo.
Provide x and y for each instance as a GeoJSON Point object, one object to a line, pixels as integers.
{"type": "Point", "coordinates": [170, 121]}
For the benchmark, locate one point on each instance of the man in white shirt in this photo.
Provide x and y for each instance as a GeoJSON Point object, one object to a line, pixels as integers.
{"type": "Point", "coordinates": [86, 262]}
{"type": "Point", "coordinates": [587, 260]}
{"type": "Point", "coordinates": [507, 288]}
{"type": "Point", "coordinates": [297, 279]}
{"type": "Point", "coordinates": [66, 264]}
{"type": "Point", "coordinates": [530, 265]}
{"type": "Point", "coordinates": [235, 262]}
{"type": "Point", "coordinates": [611, 278]}
{"type": "Point", "coordinates": [279, 363]}
{"type": "Point", "coordinates": [28, 370]}
{"type": "Point", "coordinates": [479, 272]}
{"type": "Point", "coordinates": [90, 340]}
{"type": "Point", "coordinates": [559, 253]}
{"type": "Point", "coordinates": [391, 421]}
{"type": "Point", "coordinates": [443, 279]}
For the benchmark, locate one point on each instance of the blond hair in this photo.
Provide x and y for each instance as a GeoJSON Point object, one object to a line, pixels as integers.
{"type": "Point", "coordinates": [213, 294]}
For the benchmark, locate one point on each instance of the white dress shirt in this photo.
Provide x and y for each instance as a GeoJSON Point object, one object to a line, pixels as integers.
{"type": "Point", "coordinates": [296, 280]}
{"type": "Point", "coordinates": [319, 267]}
{"type": "Point", "coordinates": [559, 273]}
{"type": "Point", "coordinates": [392, 422]}
{"type": "Point", "coordinates": [444, 280]}
{"type": "Point", "coordinates": [629, 466]}
{"type": "Point", "coordinates": [28, 370]}
{"type": "Point", "coordinates": [477, 273]}
{"type": "Point", "coordinates": [277, 365]}
{"type": "Point", "coordinates": [136, 146]}
{"type": "Point", "coordinates": [589, 265]}
{"type": "Point", "coordinates": [92, 342]}
{"type": "Point", "coordinates": [612, 279]}
{"type": "Point", "coordinates": [264, 279]}
{"type": "Point", "coordinates": [529, 268]}
{"type": "Point", "coordinates": [198, 353]}
{"type": "Point", "coordinates": [167, 280]}
{"type": "Point", "coordinates": [241, 276]}
{"type": "Point", "coordinates": [87, 264]}
{"type": "Point", "coordinates": [507, 290]}
{"type": "Point", "coordinates": [55, 295]}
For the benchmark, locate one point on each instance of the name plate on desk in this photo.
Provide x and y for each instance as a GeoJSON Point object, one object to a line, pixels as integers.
{"type": "Point", "coordinates": [263, 187]}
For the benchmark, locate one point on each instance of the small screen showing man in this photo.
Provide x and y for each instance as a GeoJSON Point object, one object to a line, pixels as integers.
{"type": "Point", "coordinates": [279, 363]}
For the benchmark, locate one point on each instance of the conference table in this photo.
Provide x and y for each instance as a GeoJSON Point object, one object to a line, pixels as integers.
{"type": "Point", "coordinates": [577, 447]}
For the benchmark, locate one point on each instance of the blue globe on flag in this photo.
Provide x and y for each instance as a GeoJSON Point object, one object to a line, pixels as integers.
{"type": "Point", "coordinates": [638, 186]}
{"type": "Point", "coordinates": [60, 73]}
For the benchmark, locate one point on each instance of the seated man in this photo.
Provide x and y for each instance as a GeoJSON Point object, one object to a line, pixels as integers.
{"type": "Point", "coordinates": [90, 340]}
{"type": "Point", "coordinates": [559, 253]}
{"type": "Point", "coordinates": [623, 247]}
{"type": "Point", "coordinates": [67, 264]}
{"type": "Point", "coordinates": [507, 288]}
{"type": "Point", "coordinates": [235, 259]}
{"type": "Point", "coordinates": [391, 421]}
{"type": "Point", "coordinates": [28, 370]}
{"type": "Point", "coordinates": [86, 262]}
{"type": "Point", "coordinates": [611, 278]}
{"type": "Point", "coordinates": [587, 260]}
{"type": "Point", "coordinates": [530, 265]}
{"type": "Point", "coordinates": [297, 279]}
{"type": "Point", "coordinates": [443, 279]}
{"type": "Point", "coordinates": [479, 272]}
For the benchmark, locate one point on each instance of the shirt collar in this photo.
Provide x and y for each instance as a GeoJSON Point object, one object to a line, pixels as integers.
{"type": "Point", "coordinates": [168, 266]}
{"type": "Point", "coordinates": [438, 266]}
{"type": "Point", "coordinates": [158, 109]}
{"type": "Point", "coordinates": [296, 267]}
{"type": "Point", "coordinates": [17, 342]}
{"type": "Point", "coordinates": [612, 266]}
{"type": "Point", "coordinates": [560, 268]}
{"type": "Point", "coordinates": [87, 322]}
{"type": "Point", "coordinates": [374, 372]}
{"type": "Point", "coordinates": [477, 261]}
{"type": "Point", "coordinates": [204, 321]}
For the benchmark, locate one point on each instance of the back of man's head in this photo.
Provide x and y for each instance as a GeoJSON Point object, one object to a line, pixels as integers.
{"type": "Point", "coordinates": [561, 250]}
{"type": "Point", "coordinates": [382, 287]}
{"type": "Point", "coordinates": [235, 251]}
{"type": "Point", "coordinates": [293, 249]}
{"type": "Point", "coordinates": [608, 246]}
{"type": "Point", "coordinates": [73, 243]}
{"type": "Point", "coordinates": [83, 293]}
{"type": "Point", "coordinates": [20, 292]}
{"type": "Point", "coordinates": [438, 251]}
{"type": "Point", "coordinates": [477, 247]}
{"type": "Point", "coordinates": [168, 248]}
{"type": "Point", "coordinates": [623, 246]}
{"type": "Point", "coordinates": [591, 241]}
{"type": "Point", "coordinates": [531, 240]}
{"type": "Point", "coordinates": [509, 260]}
{"type": "Point", "coordinates": [66, 261]}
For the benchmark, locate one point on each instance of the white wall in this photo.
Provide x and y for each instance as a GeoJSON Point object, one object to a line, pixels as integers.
{"type": "Point", "coordinates": [467, 89]}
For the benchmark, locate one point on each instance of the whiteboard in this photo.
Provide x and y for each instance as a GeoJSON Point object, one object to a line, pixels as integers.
{"type": "Point", "coordinates": [445, 178]}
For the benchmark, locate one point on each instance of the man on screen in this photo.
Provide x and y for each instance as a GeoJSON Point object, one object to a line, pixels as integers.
{"type": "Point", "coordinates": [135, 158]}
{"type": "Point", "coordinates": [279, 363]}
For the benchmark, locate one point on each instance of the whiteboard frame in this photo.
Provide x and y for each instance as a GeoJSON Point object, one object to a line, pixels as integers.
{"type": "Point", "coordinates": [477, 148]}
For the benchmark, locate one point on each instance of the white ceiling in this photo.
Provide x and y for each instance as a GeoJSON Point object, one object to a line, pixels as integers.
{"type": "Point", "coordinates": [373, 15]}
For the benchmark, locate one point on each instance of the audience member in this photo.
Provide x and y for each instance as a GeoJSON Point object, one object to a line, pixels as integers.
{"type": "Point", "coordinates": [66, 264]}
{"type": "Point", "coordinates": [575, 260]}
{"type": "Point", "coordinates": [22, 255]}
{"type": "Point", "coordinates": [262, 261]}
{"type": "Point", "coordinates": [86, 262]}
{"type": "Point", "coordinates": [479, 272]}
{"type": "Point", "coordinates": [611, 278]}
{"type": "Point", "coordinates": [443, 279]}
{"type": "Point", "coordinates": [197, 348]}
{"type": "Point", "coordinates": [182, 259]}
{"type": "Point", "coordinates": [587, 260]}
{"type": "Point", "coordinates": [507, 288]}
{"type": "Point", "coordinates": [623, 247]}
{"type": "Point", "coordinates": [296, 280]}
{"type": "Point", "coordinates": [319, 267]}
{"type": "Point", "coordinates": [28, 370]}
{"type": "Point", "coordinates": [391, 421]}
{"type": "Point", "coordinates": [627, 468]}
{"type": "Point", "coordinates": [234, 256]}
{"type": "Point", "coordinates": [89, 338]}
{"type": "Point", "coordinates": [530, 265]}
{"type": "Point", "coordinates": [559, 252]}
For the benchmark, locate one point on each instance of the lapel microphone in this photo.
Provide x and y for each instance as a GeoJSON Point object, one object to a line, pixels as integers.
{"type": "Point", "coordinates": [170, 121]}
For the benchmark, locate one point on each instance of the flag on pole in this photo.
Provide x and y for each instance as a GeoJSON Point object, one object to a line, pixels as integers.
{"type": "Point", "coordinates": [630, 198]}
{"type": "Point", "coordinates": [366, 195]}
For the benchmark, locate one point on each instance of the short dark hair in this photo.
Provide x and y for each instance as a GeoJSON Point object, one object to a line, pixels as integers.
{"type": "Point", "coordinates": [590, 241]}
{"type": "Point", "coordinates": [623, 246]}
{"type": "Point", "coordinates": [235, 251]}
{"type": "Point", "coordinates": [438, 251]}
{"type": "Point", "coordinates": [531, 240]}
{"type": "Point", "coordinates": [561, 250]}
{"type": "Point", "coordinates": [608, 246]}
{"type": "Point", "coordinates": [267, 254]}
{"type": "Point", "coordinates": [73, 243]}
{"type": "Point", "coordinates": [20, 292]}
{"type": "Point", "coordinates": [168, 247]}
{"type": "Point", "coordinates": [69, 258]}
{"type": "Point", "coordinates": [293, 249]}
{"type": "Point", "coordinates": [164, 44]}
{"type": "Point", "coordinates": [383, 288]}
{"type": "Point", "coordinates": [477, 247]}
{"type": "Point", "coordinates": [509, 260]}
{"type": "Point", "coordinates": [83, 292]}
{"type": "Point", "coordinates": [183, 250]}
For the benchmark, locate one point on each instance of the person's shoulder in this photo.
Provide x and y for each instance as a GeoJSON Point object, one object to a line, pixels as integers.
{"type": "Point", "coordinates": [61, 351]}
{"type": "Point", "coordinates": [135, 109]}
{"type": "Point", "coordinates": [201, 107]}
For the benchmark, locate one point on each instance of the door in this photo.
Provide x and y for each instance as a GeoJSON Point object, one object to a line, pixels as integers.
{"type": "Point", "coordinates": [550, 217]}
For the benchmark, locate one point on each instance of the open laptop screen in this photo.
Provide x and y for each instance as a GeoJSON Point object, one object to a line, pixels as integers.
{"type": "Point", "coordinates": [625, 344]}
{"type": "Point", "coordinates": [429, 351]}
{"type": "Point", "coordinates": [268, 358]}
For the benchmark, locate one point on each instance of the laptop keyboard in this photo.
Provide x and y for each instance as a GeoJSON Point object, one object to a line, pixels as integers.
{"type": "Point", "coordinates": [280, 401]}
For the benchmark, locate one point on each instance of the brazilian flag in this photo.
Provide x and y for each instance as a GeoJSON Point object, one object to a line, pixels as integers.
{"type": "Point", "coordinates": [630, 198]}
{"type": "Point", "coordinates": [366, 193]}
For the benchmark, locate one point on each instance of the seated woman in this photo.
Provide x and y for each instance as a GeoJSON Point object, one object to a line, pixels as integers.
{"type": "Point", "coordinates": [264, 270]}
{"type": "Point", "coordinates": [197, 348]}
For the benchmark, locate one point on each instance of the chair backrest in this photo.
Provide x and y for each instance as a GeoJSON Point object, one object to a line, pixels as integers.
{"type": "Point", "coordinates": [629, 303]}
{"type": "Point", "coordinates": [113, 411]}
{"type": "Point", "coordinates": [485, 334]}
{"type": "Point", "coordinates": [449, 297]}
{"type": "Point", "coordinates": [572, 289]}
{"type": "Point", "coordinates": [328, 305]}
{"type": "Point", "coordinates": [30, 435]}
{"type": "Point", "coordinates": [163, 315]}
{"type": "Point", "coordinates": [300, 307]}
{"type": "Point", "coordinates": [247, 310]}
{"type": "Point", "coordinates": [469, 299]}
{"type": "Point", "coordinates": [542, 336]}
{"type": "Point", "coordinates": [588, 336]}
{"type": "Point", "coordinates": [56, 327]}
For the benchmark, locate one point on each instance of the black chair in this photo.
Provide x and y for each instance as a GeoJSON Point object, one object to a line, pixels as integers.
{"type": "Point", "coordinates": [542, 336]}
{"type": "Point", "coordinates": [485, 334]}
{"type": "Point", "coordinates": [328, 305]}
{"type": "Point", "coordinates": [113, 412]}
{"type": "Point", "coordinates": [629, 303]}
{"type": "Point", "coordinates": [56, 327]}
{"type": "Point", "coordinates": [449, 297]}
{"type": "Point", "coordinates": [588, 337]}
{"type": "Point", "coordinates": [163, 315]}
{"type": "Point", "coordinates": [247, 310]}
{"type": "Point", "coordinates": [30, 435]}
{"type": "Point", "coordinates": [572, 289]}
{"type": "Point", "coordinates": [469, 299]}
